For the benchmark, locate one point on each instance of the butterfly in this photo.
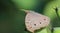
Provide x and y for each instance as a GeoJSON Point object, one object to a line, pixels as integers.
{"type": "Point", "coordinates": [35, 21]}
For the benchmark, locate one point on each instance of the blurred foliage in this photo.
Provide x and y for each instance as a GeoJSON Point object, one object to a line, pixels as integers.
{"type": "Point", "coordinates": [8, 14]}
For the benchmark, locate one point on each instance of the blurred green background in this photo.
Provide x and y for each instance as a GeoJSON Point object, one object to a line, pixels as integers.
{"type": "Point", "coordinates": [12, 18]}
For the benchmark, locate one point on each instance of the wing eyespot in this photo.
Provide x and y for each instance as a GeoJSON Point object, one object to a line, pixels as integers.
{"type": "Point", "coordinates": [40, 22]}
{"type": "Point", "coordinates": [34, 24]}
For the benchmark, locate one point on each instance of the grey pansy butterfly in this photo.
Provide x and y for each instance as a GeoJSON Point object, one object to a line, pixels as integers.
{"type": "Point", "coordinates": [35, 21]}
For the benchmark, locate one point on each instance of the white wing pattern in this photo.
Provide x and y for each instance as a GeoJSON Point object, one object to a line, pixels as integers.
{"type": "Point", "coordinates": [35, 21]}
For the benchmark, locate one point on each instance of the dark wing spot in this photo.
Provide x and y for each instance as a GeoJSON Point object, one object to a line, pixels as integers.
{"type": "Point", "coordinates": [44, 19]}
{"type": "Point", "coordinates": [40, 22]}
{"type": "Point", "coordinates": [34, 24]}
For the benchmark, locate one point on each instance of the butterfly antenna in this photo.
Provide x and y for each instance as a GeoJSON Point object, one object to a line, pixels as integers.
{"type": "Point", "coordinates": [26, 11]}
